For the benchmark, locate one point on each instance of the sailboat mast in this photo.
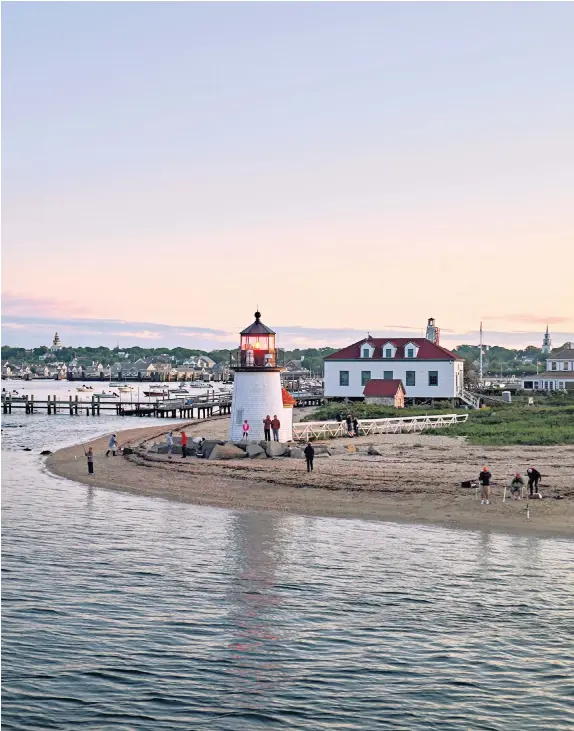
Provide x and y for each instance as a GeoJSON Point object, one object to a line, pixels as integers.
{"type": "Point", "coordinates": [481, 352]}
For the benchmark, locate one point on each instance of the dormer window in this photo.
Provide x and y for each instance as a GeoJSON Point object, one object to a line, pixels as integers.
{"type": "Point", "coordinates": [367, 350]}
{"type": "Point", "coordinates": [411, 350]}
{"type": "Point", "coordinates": [388, 350]}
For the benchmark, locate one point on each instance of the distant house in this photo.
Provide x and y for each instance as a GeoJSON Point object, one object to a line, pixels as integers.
{"type": "Point", "coordinates": [199, 361]}
{"type": "Point", "coordinates": [295, 369]}
{"type": "Point", "coordinates": [6, 370]}
{"type": "Point", "coordinates": [386, 393]}
{"type": "Point", "coordinates": [559, 373]}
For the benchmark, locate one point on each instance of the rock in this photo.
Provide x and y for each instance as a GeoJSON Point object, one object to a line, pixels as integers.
{"type": "Point", "coordinates": [226, 451]}
{"type": "Point", "coordinates": [275, 449]}
{"type": "Point", "coordinates": [208, 446]}
{"type": "Point", "coordinates": [296, 452]}
{"type": "Point", "coordinates": [254, 450]}
{"type": "Point", "coordinates": [321, 449]}
{"type": "Point", "coordinates": [322, 455]}
{"type": "Point", "coordinates": [374, 451]}
{"type": "Point", "coordinates": [127, 450]}
{"type": "Point", "coordinates": [351, 448]}
{"type": "Point", "coordinates": [45, 452]}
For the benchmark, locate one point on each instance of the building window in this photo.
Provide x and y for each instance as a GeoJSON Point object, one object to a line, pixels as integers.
{"type": "Point", "coordinates": [388, 375]}
{"type": "Point", "coordinates": [410, 353]}
{"type": "Point", "coordinates": [366, 353]}
{"type": "Point", "coordinates": [551, 385]}
{"type": "Point", "coordinates": [561, 385]}
{"type": "Point", "coordinates": [343, 378]}
{"type": "Point", "coordinates": [410, 378]}
{"type": "Point", "coordinates": [565, 365]}
{"type": "Point", "coordinates": [365, 377]}
{"type": "Point", "coordinates": [433, 378]}
{"type": "Point", "coordinates": [388, 353]}
{"type": "Point", "coordinates": [554, 364]}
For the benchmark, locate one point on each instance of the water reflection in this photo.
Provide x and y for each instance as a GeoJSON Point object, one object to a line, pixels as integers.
{"type": "Point", "coordinates": [254, 555]}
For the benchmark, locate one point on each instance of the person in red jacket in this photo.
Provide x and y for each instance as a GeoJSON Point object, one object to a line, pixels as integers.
{"type": "Point", "coordinates": [183, 444]}
{"type": "Point", "coordinates": [275, 425]}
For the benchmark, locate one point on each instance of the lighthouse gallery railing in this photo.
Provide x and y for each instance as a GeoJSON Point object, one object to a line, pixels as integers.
{"type": "Point", "coordinates": [306, 430]}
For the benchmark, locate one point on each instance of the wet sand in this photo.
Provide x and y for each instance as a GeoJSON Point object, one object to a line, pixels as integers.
{"type": "Point", "coordinates": [417, 480]}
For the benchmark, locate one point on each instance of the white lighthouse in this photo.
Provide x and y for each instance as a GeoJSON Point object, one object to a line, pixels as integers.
{"type": "Point", "coordinates": [257, 390]}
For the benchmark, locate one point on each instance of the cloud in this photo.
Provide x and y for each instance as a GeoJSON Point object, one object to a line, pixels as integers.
{"type": "Point", "coordinates": [32, 331]}
{"type": "Point", "coordinates": [20, 305]}
{"type": "Point", "coordinates": [532, 319]}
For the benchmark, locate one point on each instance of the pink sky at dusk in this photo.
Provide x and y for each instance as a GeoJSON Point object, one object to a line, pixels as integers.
{"type": "Point", "coordinates": [343, 167]}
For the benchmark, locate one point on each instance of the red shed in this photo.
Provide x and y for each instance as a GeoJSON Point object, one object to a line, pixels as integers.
{"type": "Point", "coordinates": [389, 392]}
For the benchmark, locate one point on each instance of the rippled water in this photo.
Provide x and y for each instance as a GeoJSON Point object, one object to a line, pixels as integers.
{"type": "Point", "coordinates": [135, 613]}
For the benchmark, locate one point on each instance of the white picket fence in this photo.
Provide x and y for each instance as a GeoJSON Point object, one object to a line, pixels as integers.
{"type": "Point", "coordinates": [306, 430]}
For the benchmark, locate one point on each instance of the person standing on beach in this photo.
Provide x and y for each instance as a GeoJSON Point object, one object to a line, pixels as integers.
{"type": "Point", "coordinates": [90, 458]}
{"type": "Point", "coordinates": [309, 455]}
{"type": "Point", "coordinates": [349, 421]}
{"type": "Point", "coordinates": [245, 429]}
{"type": "Point", "coordinates": [169, 439]}
{"type": "Point", "coordinates": [275, 425]}
{"type": "Point", "coordinates": [267, 428]}
{"type": "Point", "coordinates": [183, 444]}
{"type": "Point", "coordinates": [355, 426]}
{"type": "Point", "coordinates": [112, 446]}
{"type": "Point", "coordinates": [484, 479]}
{"type": "Point", "coordinates": [534, 477]}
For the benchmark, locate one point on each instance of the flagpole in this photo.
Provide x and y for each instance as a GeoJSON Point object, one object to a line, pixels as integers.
{"type": "Point", "coordinates": [481, 353]}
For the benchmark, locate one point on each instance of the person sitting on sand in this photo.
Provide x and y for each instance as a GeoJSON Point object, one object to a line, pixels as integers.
{"type": "Point", "coordinates": [516, 487]}
{"type": "Point", "coordinates": [484, 479]}
{"type": "Point", "coordinates": [245, 429]}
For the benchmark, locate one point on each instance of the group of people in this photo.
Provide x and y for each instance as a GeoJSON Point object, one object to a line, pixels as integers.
{"type": "Point", "coordinates": [269, 425]}
{"type": "Point", "coordinates": [352, 424]}
{"type": "Point", "coordinates": [197, 441]}
{"type": "Point", "coordinates": [485, 477]}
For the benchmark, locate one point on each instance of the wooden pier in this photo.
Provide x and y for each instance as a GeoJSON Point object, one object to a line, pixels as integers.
{"type": "Point", "coordinates": [199, 408]}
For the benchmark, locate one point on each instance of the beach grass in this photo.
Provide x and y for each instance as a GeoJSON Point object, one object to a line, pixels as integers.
{"type": "Point", "coordinates": [549, 422]}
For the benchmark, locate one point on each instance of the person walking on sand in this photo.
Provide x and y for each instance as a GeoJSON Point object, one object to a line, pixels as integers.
{"type": "Point", "coordinates": [484, 479]}
{"type": "Point", "coordinates": [183, 444]}
{"type": "Point", "coordinates": [245, 428]}
{"type": "Point", "coordinates": [309, 455]}
{"type": "Point", "coordinates": [169, 440]}
{"type": "Point", "coordinates": [275, 425]}
{"type": "Point", "coordinates": [90, 458]}
{"type": "Point", "coordinates": [516, 487]}
{"type": "Point", "coordinates": [267, 428]}
{"type": "Point", "coordinates": [534, 477]}
{"type": "Point", "coordinates": [112, 446]}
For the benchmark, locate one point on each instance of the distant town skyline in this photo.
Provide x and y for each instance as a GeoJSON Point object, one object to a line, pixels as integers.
{"type": "Point", "coordinates": [347, 167]}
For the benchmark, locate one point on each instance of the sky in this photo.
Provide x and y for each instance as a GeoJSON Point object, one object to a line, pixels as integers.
{"type": "Point", "coordinates": [346, 167]}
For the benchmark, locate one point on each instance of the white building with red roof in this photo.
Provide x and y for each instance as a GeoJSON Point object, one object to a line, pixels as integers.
{"type": "Point", "coordinates": [427, 370]}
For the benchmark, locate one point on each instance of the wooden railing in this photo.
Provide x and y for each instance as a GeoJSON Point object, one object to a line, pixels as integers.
{"type": "Point", "coordinates": [307, 430]}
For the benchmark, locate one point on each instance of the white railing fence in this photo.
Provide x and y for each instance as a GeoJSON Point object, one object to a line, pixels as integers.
{"type": "Point", "coordinates": [306, 430]}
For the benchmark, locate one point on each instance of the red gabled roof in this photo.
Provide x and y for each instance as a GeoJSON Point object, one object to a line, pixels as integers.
{"type": "Point", "coordinates": [380, 387]}
{"type": "Point", "coordinates": [288, 400]}
{"type": "Point", "coordinates": [427, 350]}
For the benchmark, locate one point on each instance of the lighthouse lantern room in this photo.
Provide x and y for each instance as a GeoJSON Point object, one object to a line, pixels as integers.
{"type": "Point", "coordinates": [257, 390]}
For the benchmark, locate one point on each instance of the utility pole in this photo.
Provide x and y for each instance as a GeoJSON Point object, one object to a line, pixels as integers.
{"type": "Point", "coordinates": [481, 353]}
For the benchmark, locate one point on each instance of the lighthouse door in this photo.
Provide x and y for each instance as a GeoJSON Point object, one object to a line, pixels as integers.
{"type": "Point", "coordinates": [239, 416]}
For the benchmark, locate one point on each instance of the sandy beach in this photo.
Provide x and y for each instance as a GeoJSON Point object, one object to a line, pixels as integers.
{"type": "Point", "coordinates": [417, 480]}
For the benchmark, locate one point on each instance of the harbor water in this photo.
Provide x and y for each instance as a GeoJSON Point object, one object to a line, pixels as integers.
{"type": "Point", "coordinates": [121, 612]}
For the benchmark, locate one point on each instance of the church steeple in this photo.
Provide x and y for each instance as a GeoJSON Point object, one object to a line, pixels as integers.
{"type": "Point", "coordinates": [547, 342]}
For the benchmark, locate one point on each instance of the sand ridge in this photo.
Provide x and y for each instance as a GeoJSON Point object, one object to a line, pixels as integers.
{"type": "Point", "coordinates": [417, 480]}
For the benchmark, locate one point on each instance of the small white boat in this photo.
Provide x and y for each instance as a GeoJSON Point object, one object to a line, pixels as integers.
{"type": "Point", "coordinates": [155, 392]}
{"type": "Point", "coordinates": [103, 394]}
{"type": "Point", "coordinates": [125, 389]}
{"type": "Point", "coordinates": [179, 392]}
{"type": "Point", "coordinates": [82, 389]}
